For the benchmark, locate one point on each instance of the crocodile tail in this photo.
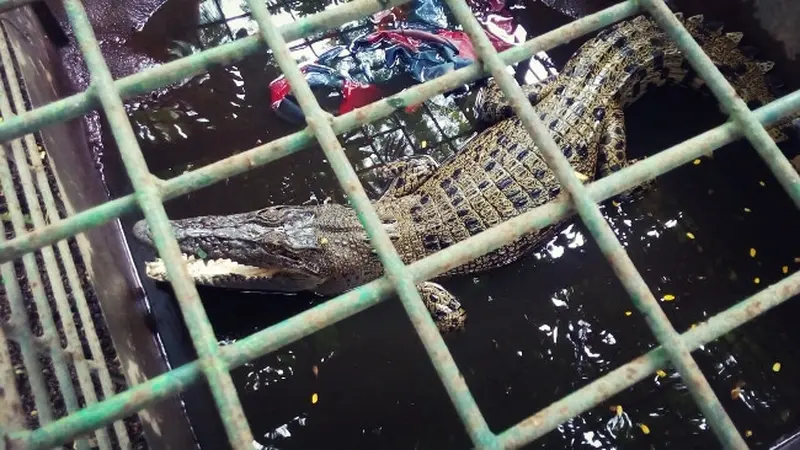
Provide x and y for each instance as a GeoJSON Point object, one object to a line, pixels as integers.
{"type": "Point", "coordinates": [750, 77]}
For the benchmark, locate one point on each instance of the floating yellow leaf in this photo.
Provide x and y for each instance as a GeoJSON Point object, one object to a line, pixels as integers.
{"type": "Point", "coordinates": [785, 269]}
{"type": "Point", "coordinates": [748, 433]}
{"type": "Point", "coordinates": [762, 183]}
{"type": "Point", "coordinates": [645, 429]}
{"type": "Point", "coordinates": [314, 398]}
{"type": "Point", "coordinates": [628, 313]}
{"type": "Point", "coordinates": [696, 162]}
{"type": "Point", "coordinates": [694, 325]}
{"type": "Point", "coordinates": [668, 297]}
{"type": "Point", "coordinates": [690, 235]}
{"type": "Point", "coordinates": [661, 373]}
{"type": "Point", "coordinates": [756, 280]}
{"type": "Point", "coordinates": [747, 210]}
{"type": "Point", "coordinates": [619, 410]}
{"type": "Point", "coordinates": [752, 253]}
{"type": "Point", "coordinates": [34, 413]}
{"type": "Point", "coordinates": [776, 367]}
{"type": "Point", "coordinates": [735, 393]}
{"type": "Point", "coordinates": [323, 241]}
{"type": "Point", "coordinates": [424, 144]}
{"type": "Point", "coordinates": [615, 203]}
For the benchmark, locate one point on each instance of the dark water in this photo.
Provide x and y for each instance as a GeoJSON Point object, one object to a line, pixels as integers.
{"type": "Point", "coordinates": [537, 331]}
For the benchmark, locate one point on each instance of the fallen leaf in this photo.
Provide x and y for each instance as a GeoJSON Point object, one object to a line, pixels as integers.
{"type": "Point", "coordinates": [661, 373]}
{"type": "Point", "coordinates": [785, 269]}
{"type": "Point", "coordinates": [756, 280]}
{"type": "Point", "coordinates": [696, 162]}
{"type": "Point", "coordinates": [736, 393]}
{"type": "Point", "coordinates": [747, 210]}
{"type": "Point", "coordinates": [776, 367]}
{"type": "Point", "coordinates": [424, 144]}
{"type": "Point", "coordinates": [762, 183]}
{"type": "Point", "coordinates": [615, 203]}
{"type": "Point", "coordinates": [668, 297]}
{"type": "Point", "coordinates": [748, 433]}
{"type": "Point", "coordinates": [645, 429]}
{"type": "Point", "coordinates": [752, 253]}
{"type": "Point", "coordinates": [690, 235]}
{"type": "Point", "coordinates": [628, 313]}
{"type": "Point", "coordinates": [314, 398]}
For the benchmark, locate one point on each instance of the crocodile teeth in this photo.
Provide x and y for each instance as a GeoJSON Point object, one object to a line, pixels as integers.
{"type": "Point", "coordinates": [735, 37]}
{"type": "Point", "coordinates": [205, 271]}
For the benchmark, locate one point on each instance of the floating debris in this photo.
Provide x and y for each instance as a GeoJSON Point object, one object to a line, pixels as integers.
{"type": "Point", "coordinates": [696, 162]}
{"type": "Point", "coordinates": [736, 393]}
{"type": "Point", "coordinates": [661, 373]}
{"type": "Point", "coordinates": [314, 398]}
{"type": "Point", "coordinates": [756, 280]}
{"type": "Point", "coordinates": [747, 210]}
{"type": "Point", "coordinates": [762, 183]}
{"type": "Point", "coordinates": [315, 370]}
{"type": "Point", "coordinates": [748, 433]}
{"type": "Point", "coordinates": [615, 203]}
{"type": "Point", "coordinates": [628, 313]}
{"type": "Point", "coordinates": [668, 297]}
{"type": "Point", "coordinates": [776, 367]}
{"type": "Point", "coordinates": [752, 253]}
{"type": "Point", "coordinates": [785, 269]}
{"type": "Point", "coordinates": [645, 429]}
{"type": "Point", "coordinates": [424, 144]}
{"type": "Point", "coordinates": [690, 235]}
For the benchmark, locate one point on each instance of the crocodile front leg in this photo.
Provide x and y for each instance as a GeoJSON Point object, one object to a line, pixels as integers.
{"type": "Point", "coordinates": [443, 307]}
{"type": "Point", "coordinates": [407, 174]}
{"type": "Point", "coordinates": [491, 106]}
{"type": "Point", "coordinates": [612, 156]}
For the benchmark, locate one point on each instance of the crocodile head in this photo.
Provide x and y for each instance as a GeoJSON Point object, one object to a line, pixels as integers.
{"type": "Point", "coordinates": [320, 248]}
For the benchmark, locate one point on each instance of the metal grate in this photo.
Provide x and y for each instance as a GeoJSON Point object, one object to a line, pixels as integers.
{"type": "Point", "coordinates": [216, 361]}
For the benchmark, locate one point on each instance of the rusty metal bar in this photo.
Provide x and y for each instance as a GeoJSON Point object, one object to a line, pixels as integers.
{"type": "Point", "coordinates": [149, 200]}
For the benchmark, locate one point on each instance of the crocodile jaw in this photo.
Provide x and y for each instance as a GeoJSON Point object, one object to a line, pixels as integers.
{"type": "Point", "coordinates": [213, 272]}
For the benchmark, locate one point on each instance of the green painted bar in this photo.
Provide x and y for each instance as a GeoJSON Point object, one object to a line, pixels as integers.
{"type": "Point", "coordinates": [219, 380]}
{"type": "Point", "coordinates": [71, 272]}
{"type": "Point", "coordinates": [637, 370]}
{"type": "Point", "coordinates": [357, 300]}
{"type": "Point", "coordinates": [279, 148]}
{"type": "Point", "coordinates": [779, 165]}
{"type": "Point", "coordinates": [49, 338]}
{"type": "Point", "coordinates": [345, 305]}
{"type": "Point", "coordinates": [180, 69]}
{"type": "Point", "coordinates": [394, 268]}
{"type": "Point", "coordinates": [19, 328]}
{"type": "Point", "coordinates": [601, 231]}
{"type": "Point", "coordinates": [48, 255]}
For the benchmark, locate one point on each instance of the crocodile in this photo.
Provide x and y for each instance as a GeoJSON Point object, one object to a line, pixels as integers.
{"type": "Point", "coordinates": [497, 175]}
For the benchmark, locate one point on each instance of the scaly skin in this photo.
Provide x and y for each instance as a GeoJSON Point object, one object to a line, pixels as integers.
{"type": "Point", "coordinates": [498, 175]}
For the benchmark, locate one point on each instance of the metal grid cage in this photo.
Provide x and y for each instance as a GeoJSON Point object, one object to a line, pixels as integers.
{"type": "Point", "coordinates": [216, 361]}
